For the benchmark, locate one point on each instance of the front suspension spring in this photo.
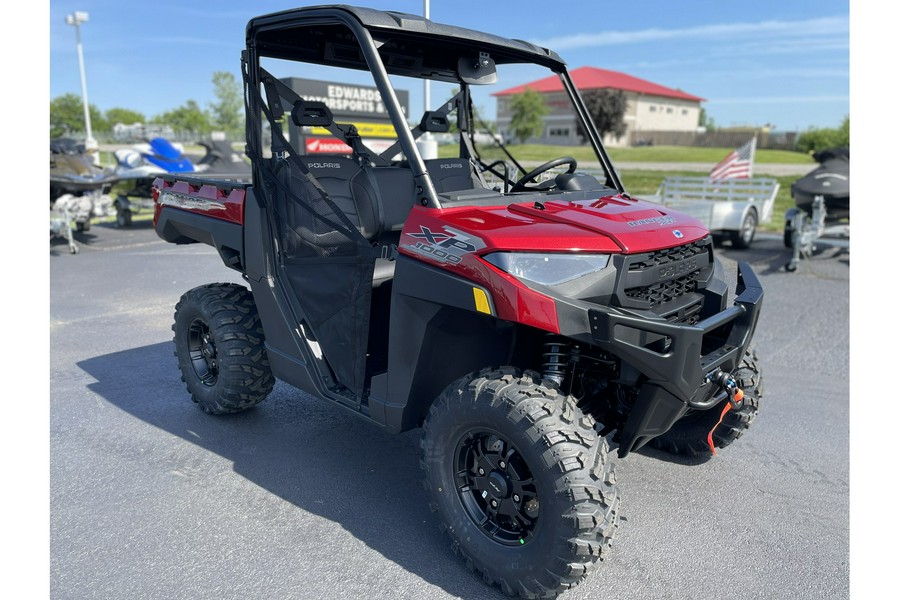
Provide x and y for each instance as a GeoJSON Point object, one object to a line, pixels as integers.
{"type": "Point", "coordinates": [556, 357]}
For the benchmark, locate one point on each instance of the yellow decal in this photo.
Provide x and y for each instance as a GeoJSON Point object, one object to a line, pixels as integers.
{"type": "Point", "coordinates": [376, 130]}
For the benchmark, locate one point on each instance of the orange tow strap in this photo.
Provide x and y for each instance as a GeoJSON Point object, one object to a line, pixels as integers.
{"type": "Point", "coordinates": [738, 396]}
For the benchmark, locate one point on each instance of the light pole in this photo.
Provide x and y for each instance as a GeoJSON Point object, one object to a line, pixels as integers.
{"type": "Point", "coordinates": [76, 19]}
{"type": "Point", "coordinates": [427, 144]}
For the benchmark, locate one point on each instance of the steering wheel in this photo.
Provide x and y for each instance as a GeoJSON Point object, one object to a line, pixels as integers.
{"type": "Point", "coordinates": [519, 186]}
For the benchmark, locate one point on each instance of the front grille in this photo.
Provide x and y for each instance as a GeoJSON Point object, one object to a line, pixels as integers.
{"type": "Point", "coordinates": [667, 281]}
{"type": "Point", "coordinates": [661, 257]}
{"type": "Point", "coordinates": [665, 291]}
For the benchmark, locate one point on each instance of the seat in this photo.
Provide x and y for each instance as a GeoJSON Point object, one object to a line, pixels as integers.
{"type": "Point", "coordinates": [453, 175]}
{"type": "Point", "coordinates": [396, 192]}
{"type": "Point", "coordinates": [349, 188]}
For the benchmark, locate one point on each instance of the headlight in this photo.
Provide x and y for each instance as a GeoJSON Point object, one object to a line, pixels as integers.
{"type": "Point", "coordinates": [547, 269]}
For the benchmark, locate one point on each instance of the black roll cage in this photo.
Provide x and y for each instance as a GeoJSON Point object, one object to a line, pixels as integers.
{"type": "Point", "coordinates": [367, 25]}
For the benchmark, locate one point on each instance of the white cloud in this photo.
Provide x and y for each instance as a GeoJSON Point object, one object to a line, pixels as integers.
{"type": "Point", "coordinates": [826, 26]}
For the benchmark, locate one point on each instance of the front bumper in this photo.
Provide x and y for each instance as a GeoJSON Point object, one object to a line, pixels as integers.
{"type": "Point", "coordinates": [675, 359]}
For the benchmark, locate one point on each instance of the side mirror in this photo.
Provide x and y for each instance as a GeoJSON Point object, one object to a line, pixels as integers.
{"type": "Point", "coordinates": [480, 71]}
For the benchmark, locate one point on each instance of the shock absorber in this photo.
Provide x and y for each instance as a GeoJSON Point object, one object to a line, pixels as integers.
{"type": "Point", "coordinates": [555, 359]}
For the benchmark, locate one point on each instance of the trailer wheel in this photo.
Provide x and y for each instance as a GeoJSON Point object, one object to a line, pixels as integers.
{"type": "Point", "coordinates": [688, 436]}
{"type": "Point", "coordinates": [123, 217]}
{"type": "Point", "coordinates": [744, 237]}
{"type": "Point", "coordinates": [521, 481]}
{"type": "Point", "coordinates": [220, 348]}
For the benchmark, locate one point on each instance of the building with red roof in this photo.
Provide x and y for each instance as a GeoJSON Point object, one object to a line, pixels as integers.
{"type": "Point", "coordinates": [651, 106]}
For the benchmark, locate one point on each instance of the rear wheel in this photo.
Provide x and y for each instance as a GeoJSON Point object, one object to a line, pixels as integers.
{"type": "Point", "coordinates": [220, 348]}
{"type": "Point", "coordinates": [689, 436]}
{"type": "Point", "coordinates": [521, 481]}
{"type": "Point", "coordinates": [744, 236]}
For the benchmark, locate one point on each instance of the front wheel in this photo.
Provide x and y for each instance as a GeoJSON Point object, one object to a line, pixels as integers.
{"type": "Point", "coordinates": [521, 481]}
{"type": "Point", "coordinates": [689, 435]}
{"type": "Point", "coordinates": [220, 348]}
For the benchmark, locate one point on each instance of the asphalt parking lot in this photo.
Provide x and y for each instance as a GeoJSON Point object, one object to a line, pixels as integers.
{"type": "Point", "coordinates": [150, 498]}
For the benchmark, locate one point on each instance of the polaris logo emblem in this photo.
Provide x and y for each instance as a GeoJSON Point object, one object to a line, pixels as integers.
{"type": "Point", "coordinates": [653, 220]}
{"type": "Point", "coordinates": [677, 233]}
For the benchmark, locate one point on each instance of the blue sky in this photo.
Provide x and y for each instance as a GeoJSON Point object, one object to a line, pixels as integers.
{"type": "Point", "coordinates": [779, 62]}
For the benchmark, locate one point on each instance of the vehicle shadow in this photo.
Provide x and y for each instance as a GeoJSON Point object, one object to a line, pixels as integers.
{"type": "Point", "coordinates": [677, 459]}
{"type": "Point", "coordinates": [316, 456]}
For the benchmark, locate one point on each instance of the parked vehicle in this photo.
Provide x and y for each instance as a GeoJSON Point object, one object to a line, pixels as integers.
{"type": "Point", "coordinates": [831, 180]}
{"type": "Point", "coordinates": [79, 189]}
{"type": "Point", "coordinates": [73, 170]}
{"type": "Point", "coordinates": [519, 326]}
{"type": "Point", "coordinates": [822, 199]}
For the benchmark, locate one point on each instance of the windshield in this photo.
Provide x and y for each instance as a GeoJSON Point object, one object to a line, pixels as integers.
{"type": "Point", "coordinates": [522, 121]}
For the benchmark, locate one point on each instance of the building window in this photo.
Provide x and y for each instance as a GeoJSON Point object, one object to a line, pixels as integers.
{"type": "Point", "coordinates": [669, 110]}
{"type": "Point", "coordinates": [558, 132]}
{"type": "Point", "coordinates": [684, 111]}
{"type": "Point", "coordinates": [652, 109]}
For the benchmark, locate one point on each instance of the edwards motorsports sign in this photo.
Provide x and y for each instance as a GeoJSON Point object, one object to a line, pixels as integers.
{"type": "Point", "coordinates": [358, 104]}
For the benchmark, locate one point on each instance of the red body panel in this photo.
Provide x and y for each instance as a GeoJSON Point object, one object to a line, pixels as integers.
{"type": "Point", "coordinates": [456, 238]}
{"type": "Point", "coordinates": [207, 199]}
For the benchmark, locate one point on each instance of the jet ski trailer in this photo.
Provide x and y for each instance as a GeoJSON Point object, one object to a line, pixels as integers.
{"type": "Point", "coordinates": [822, 209]}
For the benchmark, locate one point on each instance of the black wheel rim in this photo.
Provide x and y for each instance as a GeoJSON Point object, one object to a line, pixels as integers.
{"type": "Point", "coordinates": [496, 488]}
{"type": "Point", "coordinates": [202, 352]}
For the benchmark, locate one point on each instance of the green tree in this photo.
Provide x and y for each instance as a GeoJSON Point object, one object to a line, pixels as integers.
{"type": "Point", "coordinates": [125, 116]}
{"type": "Point", "coordinates": [816, 139]}
{"type": "Point", "coordinates": [528, 110]}
{"type": "Point", "coordinates": [67, 116]}
{"type": "Point", "coordinates": [188, 117]}
{"type": "Point", "coordinates": [607, 109]}
{"type": "Point", "coordinates": [706, 120]}
{"type": "Point", "coordinates": [228, 112]}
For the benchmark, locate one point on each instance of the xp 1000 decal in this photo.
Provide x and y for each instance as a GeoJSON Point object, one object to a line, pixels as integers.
{"type": "Point", "coordinates": [443, 244]}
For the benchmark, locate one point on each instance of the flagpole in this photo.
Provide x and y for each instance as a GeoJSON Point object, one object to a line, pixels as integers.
{"type": "Point", "coordinates": [752, 155]}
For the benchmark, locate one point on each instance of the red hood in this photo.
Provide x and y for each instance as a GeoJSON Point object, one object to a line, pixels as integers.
{"type": "Point", "coordinates": [634, 225]}
{"type": "Point", "coordinates": [613, 224]}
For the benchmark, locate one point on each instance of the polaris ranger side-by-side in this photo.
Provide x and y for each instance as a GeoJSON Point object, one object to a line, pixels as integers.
{"type": "Point", "coordinates": [521, 317]}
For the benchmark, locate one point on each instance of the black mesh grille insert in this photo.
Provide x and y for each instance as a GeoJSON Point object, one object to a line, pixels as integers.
{"type": "Point", "coordinates": [664, 291]}
{"type": "Point", "coordinates": [661, 257]}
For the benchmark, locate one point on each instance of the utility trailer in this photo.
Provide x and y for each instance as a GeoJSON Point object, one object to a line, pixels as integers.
{"type": "Point", "coordinates": [731, 208]}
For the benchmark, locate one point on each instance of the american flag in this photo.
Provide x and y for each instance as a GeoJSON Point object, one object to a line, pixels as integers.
{"type": "Point", "coordinates": [737, 165]}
